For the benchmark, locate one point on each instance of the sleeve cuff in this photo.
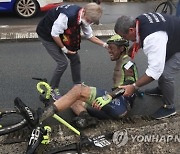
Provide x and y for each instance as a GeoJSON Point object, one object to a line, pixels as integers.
{"type": "Point", "coordinates": [155, 76]}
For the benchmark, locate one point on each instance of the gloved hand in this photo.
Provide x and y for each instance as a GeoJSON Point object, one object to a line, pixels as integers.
{"type": "Point", "coordinates": [101, 101]}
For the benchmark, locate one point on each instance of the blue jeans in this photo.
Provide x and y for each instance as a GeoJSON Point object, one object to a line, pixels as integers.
{"type": "Point", "coordinates": [178, 9]}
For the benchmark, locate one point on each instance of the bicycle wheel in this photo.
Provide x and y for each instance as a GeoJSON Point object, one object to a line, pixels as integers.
{"type": "Point", "coordinates": [74, 148]}
{"type": "Point", "coordinates": [71, 148]}
{"type": "Point", "coordinates": [164, 7]}
{"type": "Point", "coordinates": [11, 121]}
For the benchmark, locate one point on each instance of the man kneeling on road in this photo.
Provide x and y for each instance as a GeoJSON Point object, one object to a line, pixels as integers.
{"type": "Point", "coordinates": [112, 104]}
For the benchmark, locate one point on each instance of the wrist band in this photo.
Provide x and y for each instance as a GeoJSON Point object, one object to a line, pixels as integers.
{"type": "Point", "coordinates": [64, 49]}
{"type": "Point", "coordinates": [135, 87]}
{"type": "Point", "coordinates": [105, 45]}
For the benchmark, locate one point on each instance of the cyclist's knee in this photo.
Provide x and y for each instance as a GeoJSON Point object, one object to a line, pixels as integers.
{"type": "Point", "coordinates": [81, 90]}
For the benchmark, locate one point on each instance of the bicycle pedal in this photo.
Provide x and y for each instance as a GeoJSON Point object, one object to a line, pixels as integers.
{"type": "Point", "coordinates": [46, 137]}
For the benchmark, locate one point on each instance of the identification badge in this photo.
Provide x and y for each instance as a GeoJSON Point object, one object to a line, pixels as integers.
{"type": "Point", "coordinates": [128, 65]}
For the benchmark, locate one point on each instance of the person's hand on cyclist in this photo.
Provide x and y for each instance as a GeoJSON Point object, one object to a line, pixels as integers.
{"type": "Point", "coordinates": [129, 89]}
{"type": "Point", "coordinates": [101, 101]}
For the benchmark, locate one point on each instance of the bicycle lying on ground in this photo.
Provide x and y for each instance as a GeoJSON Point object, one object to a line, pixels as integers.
{"type": "Point", "coordinates": [84, 141]}
{"type": "Point", "coordinates": [11, 120]}
{"type": "Point", "coordinates": [166, 7]}
{"type": "Point", "coordinates": [41, 135]}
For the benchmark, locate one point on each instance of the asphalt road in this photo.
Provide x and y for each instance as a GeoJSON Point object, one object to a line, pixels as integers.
{"type": "Point", "coordinates": [20, 61]}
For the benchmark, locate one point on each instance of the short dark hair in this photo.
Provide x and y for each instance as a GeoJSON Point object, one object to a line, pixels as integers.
{"type": "Point", "coordinates": [123, 24]}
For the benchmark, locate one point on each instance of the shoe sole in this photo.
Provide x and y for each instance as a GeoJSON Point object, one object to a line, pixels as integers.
{"type": "Point", "coordinates": [172, 114]}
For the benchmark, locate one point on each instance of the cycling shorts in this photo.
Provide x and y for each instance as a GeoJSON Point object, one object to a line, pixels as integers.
{"type": "Point", "coordinates": [116, 109]}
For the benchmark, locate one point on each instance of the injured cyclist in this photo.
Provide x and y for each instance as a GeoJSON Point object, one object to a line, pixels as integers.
{"type": "Point", "coordinates": [99, 103]}
{"type": "Point", "coordinates": [87, 115]}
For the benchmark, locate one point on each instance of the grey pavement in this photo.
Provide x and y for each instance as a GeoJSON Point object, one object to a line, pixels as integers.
{"type": "Point", "coordinates": [21, 32]}
{"type": "Point", "coordinates": [111, 11]}
{"type": "Point", "coordinates": [27, 32]}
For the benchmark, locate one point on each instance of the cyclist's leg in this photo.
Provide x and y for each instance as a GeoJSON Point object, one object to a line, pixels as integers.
{"type": "Point", "coordinates": [95, 93]}
{"type": "Point", "coordinates": [88, 119]}
{"type": "Point", "coordinates": [83, 119]}
{"type": "Point", "coordinates": [78, 92]}
{"type": "Point", "coordinates": [99, 114]}
{"type": "Point", "coordinates": [78, 107]}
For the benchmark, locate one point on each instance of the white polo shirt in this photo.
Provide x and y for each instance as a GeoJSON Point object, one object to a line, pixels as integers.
{"type": "Point", "coordinates": [154, 47]}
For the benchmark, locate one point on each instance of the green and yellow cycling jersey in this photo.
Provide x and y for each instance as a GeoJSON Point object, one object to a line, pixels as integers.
{"type": "Point", "coordinates": [125, 72]}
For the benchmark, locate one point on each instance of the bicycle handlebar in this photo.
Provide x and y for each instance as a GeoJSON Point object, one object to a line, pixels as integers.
{"type": "Point", "coordinates": [40, 89]}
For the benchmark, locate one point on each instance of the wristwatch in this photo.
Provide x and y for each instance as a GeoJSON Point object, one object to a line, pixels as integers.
{"type": "Point", "coordinates": [135, 87]}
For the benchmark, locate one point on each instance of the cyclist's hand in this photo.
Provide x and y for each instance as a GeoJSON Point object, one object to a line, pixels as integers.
{"type": "Point", "coordinates": [71, 52]}
{"type": "Point", "coordinates": [101, 101]}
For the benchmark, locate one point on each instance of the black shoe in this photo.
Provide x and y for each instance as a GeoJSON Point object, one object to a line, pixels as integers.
{"type": "Point", "coordinates": [84, 120]}
{"type": "Point", "coordinates": [30, 115]}
{"type": "Point", "coordinates": [163, 112]}
{"type": "Point", "coordinates": [153, 92]}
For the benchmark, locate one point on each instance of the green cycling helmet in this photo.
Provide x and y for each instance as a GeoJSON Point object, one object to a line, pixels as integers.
{"type": "Point", "coordinates": [118, 40]}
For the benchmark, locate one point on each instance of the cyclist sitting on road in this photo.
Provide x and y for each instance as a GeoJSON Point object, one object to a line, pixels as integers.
{"type": "Point", "coordinates": [121, 76]}
{"type": "Point", "coordinates": [112, 105]}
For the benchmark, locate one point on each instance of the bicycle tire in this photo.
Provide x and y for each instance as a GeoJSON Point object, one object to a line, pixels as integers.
{"type": "Point", "coordinates": [11, 121]}
{"type": "Point", "coordinates": [71, 148]}
{"type": "Point", "coordinates": [164, 7]}
{"type": "Point", "coordinates": [75, 148]}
